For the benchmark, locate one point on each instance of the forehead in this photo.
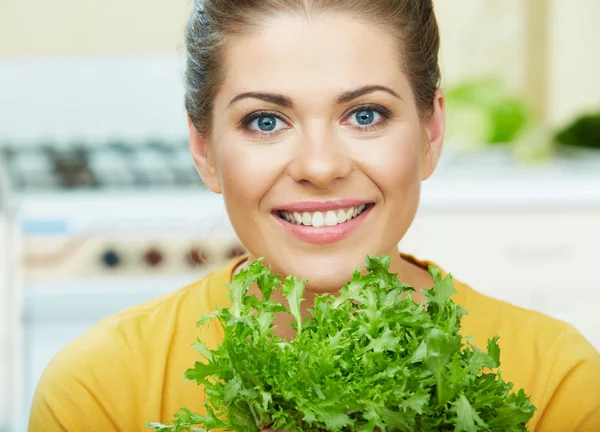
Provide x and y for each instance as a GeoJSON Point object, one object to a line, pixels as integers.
{"type": "Point", "coordinates": [316, 58]}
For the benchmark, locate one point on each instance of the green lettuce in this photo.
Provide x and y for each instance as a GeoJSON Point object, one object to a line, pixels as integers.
{"type": "Point", "coordinates": [368, 359]}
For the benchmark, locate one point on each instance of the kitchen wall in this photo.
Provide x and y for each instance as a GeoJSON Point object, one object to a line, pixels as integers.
{"type": "Point", "coordinates": [543, 48]}
{"type": "Point", "coordinates": [477, 38]}
{"type": "Point", "coordinates": [546, 49]}
{"type": "Point", "coordinates": [574, 63]}
{"type": "Point", "coordinates": [62, 28]}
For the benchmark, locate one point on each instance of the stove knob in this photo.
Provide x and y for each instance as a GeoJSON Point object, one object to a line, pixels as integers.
{"type": "Point", "coordinates": [153, 257]}
{"type": "Point", "coordinates": [236, 251]}
{"type": "Point", "coordinates": [111, 258]}
{"type": "Point", "coordinates": [196, 258]}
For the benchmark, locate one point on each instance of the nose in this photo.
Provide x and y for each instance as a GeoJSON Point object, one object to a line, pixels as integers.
{"type": "Point", "coordinates": [320, 160]}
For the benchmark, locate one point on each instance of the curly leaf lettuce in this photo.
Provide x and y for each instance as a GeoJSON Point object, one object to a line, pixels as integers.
{"type": "Point", "coordinates": [368, 359]}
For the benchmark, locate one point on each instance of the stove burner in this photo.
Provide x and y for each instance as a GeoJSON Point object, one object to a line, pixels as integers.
{"type": "Point", "coordinates": [112, 165]}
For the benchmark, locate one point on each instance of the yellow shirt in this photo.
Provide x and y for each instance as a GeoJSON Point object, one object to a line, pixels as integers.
{"type": "Point", "coordinates": [128, 369]}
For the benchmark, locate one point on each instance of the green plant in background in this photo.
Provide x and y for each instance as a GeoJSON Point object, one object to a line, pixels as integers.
{"type": "Point", "coordinates": [584, 131]}
{"type": "Point", "coordinates": [483, 112]}
{"type": "Point", "coordinates": [542, 142]}
{"type": "Point", "coordinates": [370, 359]}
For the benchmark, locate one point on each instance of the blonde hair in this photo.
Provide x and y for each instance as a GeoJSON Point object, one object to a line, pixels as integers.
{"type": "Point", "coordinates": [214, 22]}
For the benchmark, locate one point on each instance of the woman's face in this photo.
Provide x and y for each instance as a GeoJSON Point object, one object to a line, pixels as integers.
{"type": "Point", "coordinates": [317, 146]}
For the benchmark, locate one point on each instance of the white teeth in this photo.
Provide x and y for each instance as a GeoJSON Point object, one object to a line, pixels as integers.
{"type": "Point", "coordinates": [306, 219]}
{"type": "Point", "coordinates": [331, 219]}
{"type": "Point", "coordinates": [317, 219]}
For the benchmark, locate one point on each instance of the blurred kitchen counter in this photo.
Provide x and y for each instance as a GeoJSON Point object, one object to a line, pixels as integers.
{"type": "Point", "coordinates": [493, 179]}
{"type": "Point", "coordinates": [524, 233]}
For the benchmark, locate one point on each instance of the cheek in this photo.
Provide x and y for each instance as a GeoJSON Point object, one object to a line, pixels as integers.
{"type": "Point", "coordinates": [398, 177]}
{"type": "Point", "coordinates": [402, 168]}
{"type": "Point", "coordinates": [246, 173]}
{"type": "Point", "coordinates": [395, 166]}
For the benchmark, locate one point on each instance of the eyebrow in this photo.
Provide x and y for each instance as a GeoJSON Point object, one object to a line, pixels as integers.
{"type": "Point", "coordinates": [354, 94]}
{"type": "Point", "coordinates": [287, 102]}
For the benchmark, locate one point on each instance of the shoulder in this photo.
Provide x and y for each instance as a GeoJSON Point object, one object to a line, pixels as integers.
{"type": "Point", "coordinates": [102, 372]}
{"type": "Point", "coordinates": [201, 296]}
{"type": "Point", "coordinates": [77, 386]}
{"type": "Point", "coordinates": [172, 312]}
{"type": "Point", "coordinates": [147, 321]}
{"type": "Point", "coordinates": [547, 357]}
{"type": "Point", "coordinates": [488, 315]}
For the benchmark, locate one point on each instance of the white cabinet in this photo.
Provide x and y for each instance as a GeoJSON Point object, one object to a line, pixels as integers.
{"type": "Point", "coordinates": [10, 330]}
{"type": "Point", "coordinates": [544, 259]}
{"type": "Point", "coordinates": [4, 322]}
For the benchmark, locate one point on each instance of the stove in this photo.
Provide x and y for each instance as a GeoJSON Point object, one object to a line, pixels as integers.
{"type": "Point", "coordinates": [101, 226]}
{"type": "Point", "coordinates": [115, 208]}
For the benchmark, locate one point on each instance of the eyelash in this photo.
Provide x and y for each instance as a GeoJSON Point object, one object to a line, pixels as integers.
{"type": "Point", "coordinates": [385, 114]}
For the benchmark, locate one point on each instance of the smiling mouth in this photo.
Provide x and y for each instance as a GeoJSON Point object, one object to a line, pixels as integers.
{"type": "Point", "coordinates": [319, 219]}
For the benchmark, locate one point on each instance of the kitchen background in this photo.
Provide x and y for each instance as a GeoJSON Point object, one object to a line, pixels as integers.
{"type": "Point", "coordinates": [101, 208]}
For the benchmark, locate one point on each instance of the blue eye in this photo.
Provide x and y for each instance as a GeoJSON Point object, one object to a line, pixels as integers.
{"type": "Point", "coordinates": [266, 124]}
{"type": "Point", "coordinates": [263, 123]}
{"type": "Point", "coordinates": [365, 117]}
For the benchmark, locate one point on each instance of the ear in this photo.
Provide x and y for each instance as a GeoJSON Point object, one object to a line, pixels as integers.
{"type": "Point", "coordinates": [434, 130]}
{"type": "Point", "coordinates": [203, 158]}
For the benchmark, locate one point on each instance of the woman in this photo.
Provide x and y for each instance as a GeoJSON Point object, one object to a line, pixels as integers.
{"type": "Point", "coordinates": [317, 121]}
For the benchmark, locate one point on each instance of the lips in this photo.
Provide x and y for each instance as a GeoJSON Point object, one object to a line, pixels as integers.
{"type": "Point", "coordinates": [323, 222]}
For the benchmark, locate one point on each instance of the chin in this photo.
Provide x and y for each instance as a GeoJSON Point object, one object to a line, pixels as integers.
{"type": "Point", "coordinates": [325, 278]}
{"type": "Point", "coordinates": [324, 272]}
